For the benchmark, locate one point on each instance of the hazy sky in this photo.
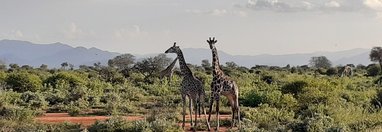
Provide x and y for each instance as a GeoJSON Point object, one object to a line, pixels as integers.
{"type": "Point", "coordinates": [242, 27]}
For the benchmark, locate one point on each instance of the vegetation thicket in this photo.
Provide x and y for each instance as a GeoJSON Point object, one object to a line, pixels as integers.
{"type": "Point", "coordinates": [290, 98]}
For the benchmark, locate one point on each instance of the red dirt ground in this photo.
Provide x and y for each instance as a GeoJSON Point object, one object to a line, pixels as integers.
{"type": "Point", "coordinates": [86, 121]}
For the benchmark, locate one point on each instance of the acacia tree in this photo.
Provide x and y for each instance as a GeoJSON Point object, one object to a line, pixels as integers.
{"type": "Point", "coordinates": [207, 66]}
{"type": "Point", "coordinates": [152, 65]}
{"type": "Point", "coordinates": [376, 55]}
{"type": "Point", "coordinates": [124, 61]}
{"type": "Point", "coordinates": [64, 65]}
{"type": "Point", "coordinates": [320, 62]}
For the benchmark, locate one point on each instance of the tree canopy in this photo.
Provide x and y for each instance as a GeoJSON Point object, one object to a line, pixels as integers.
{"type": "Point", "coordinates": [124, 61]}
{"type": "Point", "coordinates": [320, 62]}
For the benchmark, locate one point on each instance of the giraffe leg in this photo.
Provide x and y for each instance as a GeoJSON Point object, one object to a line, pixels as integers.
{"type": "Point", "coordinates": [238, 113]}
{"type": "Point", "coordinates": [169, 80]}
{"type": "Point", "coordinates": [196, 112]}
{"type": "Point", "coordinates": [184, 110]}
{"type": "Point", "coordinates": [161, 80]}
{"type": "Point", "coordinates": [200, 105]}
{"type": "Point", "coordinates": [210, 111]}
{"type": "Point", "coordinates": [190, 107]}
{"type": "Point", "coordinates": [205, 115]}
{"type": "Point", "coordinates": [233, 109]}
{"type": "Point", "coordinates": [217, 115]}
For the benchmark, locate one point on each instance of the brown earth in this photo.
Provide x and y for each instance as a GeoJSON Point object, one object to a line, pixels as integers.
{"type": "Point", "coordinates": [87, 121]}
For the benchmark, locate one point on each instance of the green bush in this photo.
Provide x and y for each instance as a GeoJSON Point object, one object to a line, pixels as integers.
{"type": "Point", "coordinates": [55, 96]}
{"type": "Point", "coordinates": [332, 71]}
{"type": "Point", "coordinates": [162, 125]}
{"type": "Point", "coordinates": [120, 124]}
{"type": "Point", "coordinates": [269, 118]}
{"type": "Point", "coordinates": [72, 78]}
{"type": "Point", "coordinates": [319, 123]}
{"type": "Point", "coordinates": [110, 125]}
{"type": "Point", "coordinates": [373, 70]}
{"type": "Point", "coordinates": [9, 97]}
{"type": "Point", "coordinates": [73, 110]}
{"type": "Point", "coordinates": [294, 87]}
{"type": "Point", "coordinates": [23, 81]}
{"type": "Point", "coordinates": [3, 76]}
{"type": "Point", "coordinates": [15, 126]}
{"type": "Point", "coordinates": [252, 99]}
{"type": "Point", "coordinates": [16, 113]}
{"type": "Point", "coordinates": [33, 100]}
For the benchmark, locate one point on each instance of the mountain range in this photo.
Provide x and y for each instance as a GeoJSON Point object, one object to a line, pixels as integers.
{"type": "Point", "coordinates": [27, 53]}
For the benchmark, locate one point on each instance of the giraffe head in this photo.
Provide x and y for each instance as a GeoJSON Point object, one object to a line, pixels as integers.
{"type": "Point", "coordinates": [173, 49]}
{"type": "Point", "coordinates": [212, 42]}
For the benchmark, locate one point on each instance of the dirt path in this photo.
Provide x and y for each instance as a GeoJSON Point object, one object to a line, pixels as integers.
{"type": "Point", "coordinates": [87, 121]}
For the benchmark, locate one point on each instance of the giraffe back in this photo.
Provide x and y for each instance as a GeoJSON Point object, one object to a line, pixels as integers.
{"type": "Point", "coordinates": [192, 87]}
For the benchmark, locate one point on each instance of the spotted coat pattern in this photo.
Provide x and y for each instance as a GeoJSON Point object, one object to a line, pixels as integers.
{"type": "Point", "coordinates": [222, 85]}
{"type": "Point", "coordinates": [191, 87]}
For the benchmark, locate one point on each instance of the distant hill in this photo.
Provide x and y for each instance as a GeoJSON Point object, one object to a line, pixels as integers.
{"type": "Point", "coordinates": [23, 52]}
{"type": "Point", "coordinates": [354, 56]}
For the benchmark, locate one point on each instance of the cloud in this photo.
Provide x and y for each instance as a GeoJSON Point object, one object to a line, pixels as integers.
{"type": "Point", "coordinates": [133, 31]}
{"type": "Point", "coordinates": [374, 4]}
{"type": "Point", "coordinates": [19, 34]}
{"type": "Point", "coordinates": [14, 34]}
{"type": "Point", "coordinates": [218, 12]}
{"type": "Point", "coordinates": [332, 4]}
{"type": "Point", "coordinates": [278, 6]}
{"type": "Point", "coordinates": [73, 31]}
{"type": "Point", "coordinates": [314, 5]}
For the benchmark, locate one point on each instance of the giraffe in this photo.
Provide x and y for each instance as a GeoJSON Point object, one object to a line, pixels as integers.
{"type": "Point", "coordinates": [348, 71]}
{"type": "Point", "coordinates": [191, 87]}
{"type": "Point", "coordinates": [168, 71]}
{"type": "Point", "coordinates": [222, 85]}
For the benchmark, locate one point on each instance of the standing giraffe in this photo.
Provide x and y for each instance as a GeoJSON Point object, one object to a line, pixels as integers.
{"type": "Point", "coordinates": [222, 85]}
{"type": "Point", "coordinates": [191, 87]}
{"type": "Point", "coordinates": [168, 71]}
{"type": "Point", "coordinates": [348, 71]}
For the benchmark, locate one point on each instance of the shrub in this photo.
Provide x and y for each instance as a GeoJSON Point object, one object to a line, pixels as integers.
{"type": "Point", "coordinates": [16, 113]}
{"type": "Point", "coordinates": [9, 97]}
{"type": "Point", "coordinates": [113, 103]}
{"type": "Point", "coordinates": [23, 81]}
{"type": "Point", "coordinates": [332, 71]}
{"type": "Point", "coordinates": [139, 126]}
{"type": "Point", "coordinates": [33, 100]}
{"type": "Point", "coordinates": [377, 101]}
{"type": "Point", "coordinates": [252, 99]}
{"type": "Point", "coordinates": [72, 78]}
{"type": "Point", "coordinates": [15, 126]}
{"type": "Point", "coordinates": [162, 125]}
{"type": "Point", "coordinates": [3, 76]}
{"type": "Point", "coordinates": [319, 123]}
{"type": "Point", "coordinates": [373, 70]}
{"type": "Point", "coordinates": [267, 79]}
{"type": "Point", "coordinates": [55, 96]}
{"type": "Point", "coordinates": [73, 110]}
{"type": "Point", "coordinates": [269, 118]}
{"type": "Point", "coordinates": [294, 88]}
{"type": "Point", "coordinates": [110, 125]}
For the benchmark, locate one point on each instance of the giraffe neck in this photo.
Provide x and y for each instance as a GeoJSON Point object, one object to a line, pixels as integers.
{"type": "Point", "coordinates": [183, 65]}
{"type": "Point", "coordinates": [169, 69]}
{"type": "Point", "coordinates": [215, 62]}
{"type": "Point", "coordinates": [172, 65]}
